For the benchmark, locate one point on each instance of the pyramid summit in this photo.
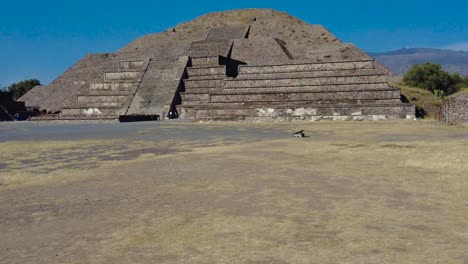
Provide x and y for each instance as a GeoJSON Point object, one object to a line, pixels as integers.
{"type": "Point", "coordinates": [241, 64]}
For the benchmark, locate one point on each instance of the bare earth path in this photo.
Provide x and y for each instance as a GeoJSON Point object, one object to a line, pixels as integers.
{"type": "Point", "coordinates": [353, 192]}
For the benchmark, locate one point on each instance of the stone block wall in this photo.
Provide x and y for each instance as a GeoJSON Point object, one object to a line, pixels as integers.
{"type": "Point", "coordinates": [455, 109]}
{"type": "Point", "coordinates": [333, 90]}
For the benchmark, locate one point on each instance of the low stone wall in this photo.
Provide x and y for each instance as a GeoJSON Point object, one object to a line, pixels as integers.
{"type": "Point", "coordinates": [455, 110]}
{"type": "Point", "coordinates": [350, 112]}
{"type": "Point", "coordinates": [91, 111]}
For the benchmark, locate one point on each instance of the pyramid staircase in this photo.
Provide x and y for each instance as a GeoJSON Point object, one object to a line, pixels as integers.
{"type": "Point", "coordinates": [110, 98]}
{"type": "Point", "coordinates": [343, 90]}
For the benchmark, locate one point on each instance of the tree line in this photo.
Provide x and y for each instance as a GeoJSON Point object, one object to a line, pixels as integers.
{"type": "Point", "coordinates": [16, 90]}
{"type": "Point", "coordinates": [433, 78]}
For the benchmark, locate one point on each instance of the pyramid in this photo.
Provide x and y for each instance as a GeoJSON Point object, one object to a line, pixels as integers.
{"type": "Point", "coordinates": [241, 64]}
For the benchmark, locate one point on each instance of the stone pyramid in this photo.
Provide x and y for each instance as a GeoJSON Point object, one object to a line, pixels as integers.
{"type": "Point", "coordinates": [241, 64]}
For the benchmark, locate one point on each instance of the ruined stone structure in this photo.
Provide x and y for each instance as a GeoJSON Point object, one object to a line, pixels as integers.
{"type": "Point", "coordinates": [455, 109]}
{"type": "Point", "coordinates": [254, 63]}
{"type": "Point", "coordinates": [8, 107]}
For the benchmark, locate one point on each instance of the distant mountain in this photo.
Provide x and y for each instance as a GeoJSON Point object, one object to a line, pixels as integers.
{"type": "Point", "coordinates": [399, 61]}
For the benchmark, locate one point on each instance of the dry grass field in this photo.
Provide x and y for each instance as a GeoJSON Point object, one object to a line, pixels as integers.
{"type": "Point", "coordinates": [350, 192]}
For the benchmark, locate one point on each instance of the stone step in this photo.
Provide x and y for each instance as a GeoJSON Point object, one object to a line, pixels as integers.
{"type": "Point", "coordinates": [341, 112]}
{"type": "Point", "coordinates": [284, 97]}
{"type": "Point", "coordinates": [198, 98]}
{"type": "Point", "coordinates": [102, 99]}
{"type": "Point", "coordinates": [288, 81]}
{"type": "Point", "coordinates": [91, 104]}
{"type": "Point", "coordinates": [207, 77]}
{"type": "Point", "coordinates": [125, 65]}
{"type": "Point", "coordinates": [306, 88]}
{"type": "Point", "coordinates": [263, 97]}
{"type": "Point", "coordinates": [204, 83]}
{"type": "Point", "coordinates": [105, 93]}
{"type": "Point", "coordinates": [310, 74]}
{"type": "Point", "coordinates": [308, 67]}
{"type": "Point", "coordinates": [116, 76]}
{"type": "Point", "coordinates": [92, 111]}
{"type": "Point", "coordinates": [238, 83]}
{"type": "Point", "coordinates": [211, 61]}
{"type": "Point", "coordinates": [239, 105]}
{"type": "Point", "coordinates": [210, 70]}
{"type": "Point", "coordinates": [115, 86]}
{"type": "Point", "coordinates": [74, 117]}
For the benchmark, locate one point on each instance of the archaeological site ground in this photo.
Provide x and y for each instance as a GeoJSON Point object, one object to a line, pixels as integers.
{"type": "Point", "coordinates": [367, 184]}
{"type": "Point", "coordinates": [234, 192]}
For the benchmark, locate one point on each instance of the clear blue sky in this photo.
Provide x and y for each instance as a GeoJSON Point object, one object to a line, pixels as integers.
{"type": "Point", "coordinates": [41, 39]}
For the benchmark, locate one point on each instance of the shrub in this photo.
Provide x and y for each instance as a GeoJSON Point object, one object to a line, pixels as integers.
{"type": "Point", "coordinates": [19, 89]}
{"type": "Point", "coordinates": [431, 77]}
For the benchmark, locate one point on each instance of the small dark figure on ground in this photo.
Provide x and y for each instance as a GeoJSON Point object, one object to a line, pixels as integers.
{"type": "Point", "coordinates": [299, 134]}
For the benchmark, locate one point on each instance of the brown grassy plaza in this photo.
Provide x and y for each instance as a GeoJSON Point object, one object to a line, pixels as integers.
{"type": "Point", "coordinates": [234, 192]}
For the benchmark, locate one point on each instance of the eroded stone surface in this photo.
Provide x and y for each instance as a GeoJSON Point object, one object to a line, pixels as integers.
{"type": "Point", "coordinates": [224, 66]}
{"type": "Point", "coordinates": [455, 109]}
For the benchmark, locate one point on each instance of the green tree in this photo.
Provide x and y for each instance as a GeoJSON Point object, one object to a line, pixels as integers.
{"type": "Point", "coordinates": [457, 83]}
{"type": "Point", "coordinates": [19, 89]}
{"type": "Point", "coordinates": [431, 77]}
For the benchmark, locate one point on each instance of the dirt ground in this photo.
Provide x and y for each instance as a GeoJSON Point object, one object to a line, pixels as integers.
{"type": "Point", "coordinates": [350, 192]}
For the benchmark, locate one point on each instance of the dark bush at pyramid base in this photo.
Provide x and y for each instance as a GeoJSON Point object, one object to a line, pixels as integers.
{"type": "Point", "coordinates": [243, 64]}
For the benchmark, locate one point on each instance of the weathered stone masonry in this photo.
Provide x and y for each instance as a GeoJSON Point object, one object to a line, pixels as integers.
{"type": "Point", "coordinates": [455, 109]}
{"type": "Point", "coordinates": [245, 64]}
